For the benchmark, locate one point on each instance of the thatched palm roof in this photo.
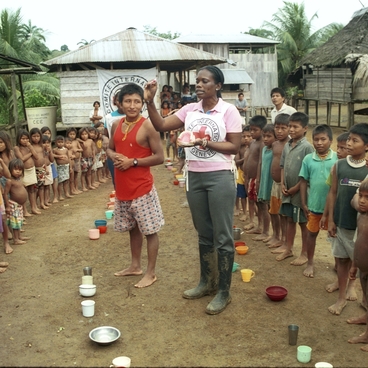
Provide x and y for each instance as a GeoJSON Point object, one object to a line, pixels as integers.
{"type": "Point", "coordinates": [352, 39]}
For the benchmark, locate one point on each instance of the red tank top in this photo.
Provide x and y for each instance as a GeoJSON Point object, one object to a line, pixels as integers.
{"type": "Point", "coordinates": [136, 181]}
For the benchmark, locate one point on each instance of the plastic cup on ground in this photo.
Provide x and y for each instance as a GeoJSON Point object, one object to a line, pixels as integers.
{"type": "Point", "coordinates": [88, 308]}
{"type": "Point", "coordinates": [121, 362]}
{"type": "Point", "coordinates": [109, 214]}
{"type": "Point", "coordinates": [235, 266]}
{"type": "Point", "coordinates": [247, 274]}
{"type": "Point", "coordinates": [293, 334]}
{"type": "Point", "coordinates": [323, 365]}
{"type": "Point", "coordinates": [304, 354]}
{"type": "Point", "coordinates": [87, 271]}
{"type": "Point", "coordinates": [87, 280]}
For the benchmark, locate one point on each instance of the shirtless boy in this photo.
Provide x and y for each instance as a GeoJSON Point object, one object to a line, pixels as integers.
{"type": "Point", "coordinates": [134, 148]}
{"type": "Point", "coordinates": [360, 260]}
{"type": "Point", "coordinates": [15, 197]}
{"type": "Point", "coordinates": [278, 222]}
{"type": "Point", "coordinates": [69, 147]}
{"type": "Point", "coordinates": [87, 159]}
{"type": "Point", "coordinates": [250, 168]}
{"type": "Point", "coordinates": [36, 141]}
{"type": "Point", "coordinates": [77, 152]}
{"type": "Point", "coordinates": [26, 152]}
{"type": "Point", "coordinates": [61, 155]}
{"type": "Point", "coordinates": [241, 194]}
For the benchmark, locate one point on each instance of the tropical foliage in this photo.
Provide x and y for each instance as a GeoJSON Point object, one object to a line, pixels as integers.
{"type": "Point", "coordinates": [26, 42]}
{"type": "Point", "coordinates": [294, 30]}
{"type": "Point", "coordinates": [153, 30]}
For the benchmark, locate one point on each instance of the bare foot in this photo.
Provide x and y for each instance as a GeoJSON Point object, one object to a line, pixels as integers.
{"type": "Point", "coordinates": [351, 293]}
{"type": "Point", "coordinates": [337, 307]}
{"type": "Point", "coordinates": [276, 244]}
{"type": "Point", "coordinates": [44, 207]}
{"type": "Point", "coordinates": [129, 272]}
{"type": "Point", "coordinates": [332, 287]}
{"type": "Point", "coordinates": [361, 339]}
{"type": "Point", "coordinates": [61, 199]}
{"type": "Point", "coordinates": [84, 189]}
{"type": "Point", "coordinates": [102, 181]}
{"type": "Point", "coordinates": [268, 239]}
{"type": "Point", "coordinates": [8, 249]}
{"type": "Point", "coordinates": [299, 261]}
{"type": "Point", "coordinates": [248, 227]}
{"type": "Point", "coordinates": [27, 214]}
{"type": "Point", "coordinates": [69, 196]}
{"type": "Point", "coordinates": [36, 212]}
{"type": "Point", "coordinates": [362, 320]}
{"type": "Point", "coordinates": [4, 264]}
{"type": "Point", "coordinates": [364, 348]}
{"type": "Point", "coordinates": [19, 242]}
{"type": "Point", "coordinates": [24, 238]}
{"type": "Point", "coordinates": [236, 213]}
{"type": "Point", "coordinates": [92, 188]}
{"type": "Point", "coordinates": [284, 255]}
{"type": "Point", "coordinates": [279, 250]}
{"type": "Point", "coordinates": [55, 201]}
{"type": "Point", "coordinates": [243, 218]}
{"type": "Point", "coordinates": [254, 231]}
{"type": "Point", "coordinates": [2, 270]}
{"type": "Point", "coordinates": [308, 272]}
{"type": "Point", "coordinates": [146, 281]}
{"type": "Point", "coordinates": [260, 237]}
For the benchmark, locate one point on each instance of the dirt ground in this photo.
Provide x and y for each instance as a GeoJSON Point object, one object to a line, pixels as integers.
{"type": "Point", "coordinates": [42, 324]}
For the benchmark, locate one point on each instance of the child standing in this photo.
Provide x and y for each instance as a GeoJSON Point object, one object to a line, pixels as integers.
{"type": "Point", "coordinates": [46, 131]}
{"type": "Point", "coordinates": [360, 260]}
{"type": "Point", "coordinates": [69, 146]}
{"type": "Point", "coordinates": [15, 197]}
{"type": "Point", "coordinates": [77, 152]}
{"type": "Point", "coordinates": [49, 158]}
{"type": "Point", "coordinates": [61, 155]}
{"type": "Point", "coordinates": [26, 152]}
{"type": "Point", "coordinates": [291, 161]}
{"type": "Point", "coordinates": [314, 172]}
{"type": "Point", "coordinates": [250, 168]}
{"type": "Point", "coordinates": [36, 141]}
{"type": "Point", "coordinates": [87, 159]}
{"type": "Point", "coordinates": [347, 175]}
{"type": "Point", "coordinates": [278, 222]}
{"type": "Point", "coordinates": [264, 182]}
{"type": "Point", "coordinates": [6, 155]}
{"type": "Point", "coordinates": [241, 193]}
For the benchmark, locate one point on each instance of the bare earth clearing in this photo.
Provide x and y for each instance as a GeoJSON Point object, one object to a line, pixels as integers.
{"type": "Point", "coordinates": [42, 323]}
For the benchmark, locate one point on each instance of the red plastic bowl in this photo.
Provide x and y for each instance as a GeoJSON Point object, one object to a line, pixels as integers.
{"type": "Point", "coordinates": [239, 243]}
{"type": "Point", "coordinates": [102, 229]}
{"type": "Point", "coordinates": [276, 293]}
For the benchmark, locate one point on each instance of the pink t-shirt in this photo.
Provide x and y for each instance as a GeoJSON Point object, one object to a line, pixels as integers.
{"type": "Point", "coordinates": [223, 118]}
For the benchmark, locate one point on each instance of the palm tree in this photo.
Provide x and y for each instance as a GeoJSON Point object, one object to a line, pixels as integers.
{"type": "Point", "coordinates": [84, 42]}
{"type": "Point", "coordinates": [294, 30]}
{"type": "Point", "coordinates": [10, 33]}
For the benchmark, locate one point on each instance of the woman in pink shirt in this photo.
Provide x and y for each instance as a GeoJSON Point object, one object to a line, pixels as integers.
{"type": "Point", "coordinates": [216, 127]}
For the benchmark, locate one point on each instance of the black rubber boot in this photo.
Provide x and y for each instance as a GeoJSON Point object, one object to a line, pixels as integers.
{"type": "Point", "coordinates": [222, 298]}
{"type": "Point", "coordinates": [209, 276]}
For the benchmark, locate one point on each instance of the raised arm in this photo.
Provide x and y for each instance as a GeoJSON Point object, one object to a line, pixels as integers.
{"type": "Point", "coordinates": [161, 124]}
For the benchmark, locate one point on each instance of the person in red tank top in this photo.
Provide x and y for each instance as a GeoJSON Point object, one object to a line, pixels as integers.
{"type": "Point", "coordinates": [134, 147]}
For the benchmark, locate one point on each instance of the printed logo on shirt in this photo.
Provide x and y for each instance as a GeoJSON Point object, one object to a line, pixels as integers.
{"type": "Point", "coordinates": [350, 182]}
{"type": "Point", "coordinates": [204, 128]}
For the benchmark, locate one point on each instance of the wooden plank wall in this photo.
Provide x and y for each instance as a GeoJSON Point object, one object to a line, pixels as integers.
{"type": "Point", "coordinates": [78, 91]}
{"type": "Point", "coordinates": [330, 84]}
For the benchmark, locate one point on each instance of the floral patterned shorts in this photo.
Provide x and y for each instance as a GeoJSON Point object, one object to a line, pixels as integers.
{"type": "Point", "coordinates": [143, 211]}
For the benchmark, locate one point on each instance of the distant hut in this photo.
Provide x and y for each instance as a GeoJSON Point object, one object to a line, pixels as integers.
{"type": "Point", "coordinates": [336, 72]}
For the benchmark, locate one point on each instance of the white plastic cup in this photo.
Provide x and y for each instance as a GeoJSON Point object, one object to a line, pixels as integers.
{"type": "Point", "coordinates": [88, 308]}
{"type": "Point", "coordinates": [323, 365]}
{"type": "Point", "coordinates": [87, 280]}
{"type": "Point", "coordinates": [121, 362]}
{"type": "Point", "coordinates": [304, 354]}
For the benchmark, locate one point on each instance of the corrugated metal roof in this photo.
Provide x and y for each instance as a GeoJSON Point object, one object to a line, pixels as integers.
{"type": "Point", "coordinates": [132, 45]}
{"type": "Point", "coordinates": [232, 76]}
{"type": "Point", "coordinates": [240, 38]}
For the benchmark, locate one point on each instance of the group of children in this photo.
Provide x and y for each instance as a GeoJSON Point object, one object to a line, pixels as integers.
{"type": "Point", "coordinates": [287, 181]}
{"type": "Point", "coordinates": [32, 170]}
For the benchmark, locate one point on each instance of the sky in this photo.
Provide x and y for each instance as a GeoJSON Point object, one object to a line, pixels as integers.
{"type": "Point", "coordinates": [67, 22]}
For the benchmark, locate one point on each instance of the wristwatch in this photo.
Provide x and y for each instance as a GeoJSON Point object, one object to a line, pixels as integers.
{"type": "Point", "coordinates": [135, 162]}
